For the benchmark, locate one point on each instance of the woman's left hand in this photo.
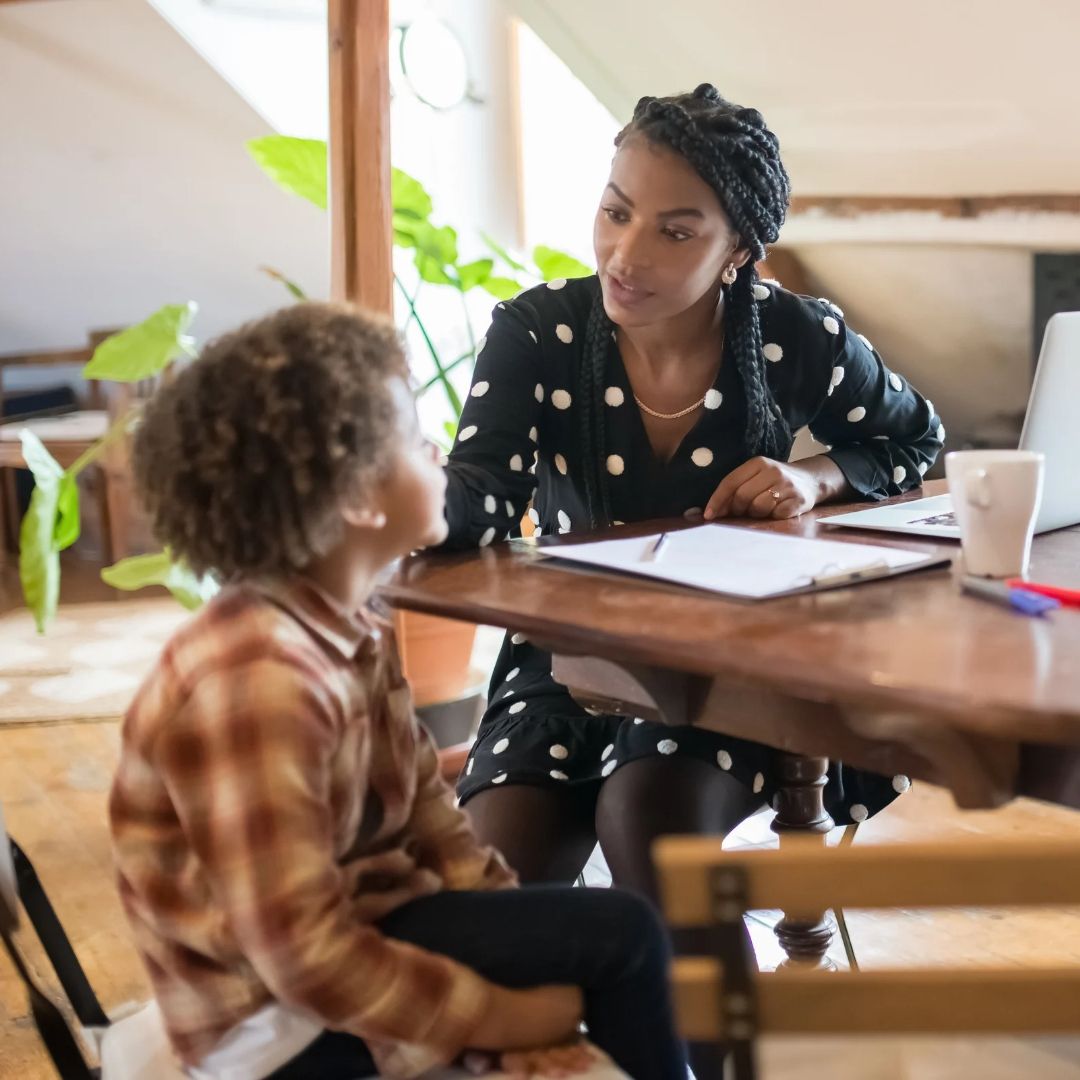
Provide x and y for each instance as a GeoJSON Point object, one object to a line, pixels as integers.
{"type": "Point", "coordinates": [763, 488]}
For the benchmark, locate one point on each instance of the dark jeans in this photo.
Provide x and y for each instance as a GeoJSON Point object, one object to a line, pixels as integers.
{"type": "Point", "coordinates": [608, 942]}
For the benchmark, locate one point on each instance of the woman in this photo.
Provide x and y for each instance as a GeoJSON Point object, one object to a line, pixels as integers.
{"type": "Point", "coordinates": [668, 384]}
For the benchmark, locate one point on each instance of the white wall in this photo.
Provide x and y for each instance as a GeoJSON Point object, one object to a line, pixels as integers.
{"type": "Point", "coordinates": [126, 184]}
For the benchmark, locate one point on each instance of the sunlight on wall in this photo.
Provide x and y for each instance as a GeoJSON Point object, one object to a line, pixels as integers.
{"type": "Point", "coordinates": [567, 145]}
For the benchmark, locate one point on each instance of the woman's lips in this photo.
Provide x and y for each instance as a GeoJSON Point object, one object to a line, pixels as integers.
{"type": "Point", "coordinates": [626, 295]}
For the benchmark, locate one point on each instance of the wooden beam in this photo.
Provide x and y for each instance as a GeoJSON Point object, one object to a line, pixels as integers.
{"type": "Point", "coordinates": [959, 206]}
{"type": "Point", "coordinates": [359, 147]}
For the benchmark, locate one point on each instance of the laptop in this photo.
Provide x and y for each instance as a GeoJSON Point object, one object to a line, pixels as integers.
{"type": "Point", "coordinates": [1050, 428]}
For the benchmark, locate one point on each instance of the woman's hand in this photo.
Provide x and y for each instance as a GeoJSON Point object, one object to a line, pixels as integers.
{"type": "Point", "coordinates": [763, 488]}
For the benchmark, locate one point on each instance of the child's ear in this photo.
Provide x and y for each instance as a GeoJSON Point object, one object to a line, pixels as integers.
{"type": "Point", "coordinates": [364, 516]}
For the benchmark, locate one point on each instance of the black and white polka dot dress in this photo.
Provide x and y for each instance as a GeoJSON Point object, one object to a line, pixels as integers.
{"type": "Point", "coordinates": [521, 414]}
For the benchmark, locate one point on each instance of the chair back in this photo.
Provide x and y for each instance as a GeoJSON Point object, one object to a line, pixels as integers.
{"type": "Point", "coordinates": [720, 996]}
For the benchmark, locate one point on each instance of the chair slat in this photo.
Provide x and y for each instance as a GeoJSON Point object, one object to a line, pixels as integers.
{"type": "Point", "coordinates": [802, 878]}
{"type": "Point", "coordinates": [811, 1002]}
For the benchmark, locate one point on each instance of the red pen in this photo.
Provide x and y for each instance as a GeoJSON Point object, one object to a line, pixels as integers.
{"type": "Point", "coordinates": [1071, 597]}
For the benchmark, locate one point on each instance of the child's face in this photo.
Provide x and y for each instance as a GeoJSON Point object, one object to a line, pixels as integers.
{"type": "Point", "coordinates": [413, 491]}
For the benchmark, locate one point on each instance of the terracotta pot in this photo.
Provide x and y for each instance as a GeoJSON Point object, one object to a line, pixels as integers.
{"type": "Point", "coordinates": [435, 654]}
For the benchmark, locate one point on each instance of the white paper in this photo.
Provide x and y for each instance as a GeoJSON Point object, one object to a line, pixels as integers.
{"type": "Point", "coordinates": [740, 562]}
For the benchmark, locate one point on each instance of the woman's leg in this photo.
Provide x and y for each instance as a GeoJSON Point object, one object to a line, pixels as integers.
{"type": "Point", "coordinates": [608, 942]}
{"type": "Point", "coordinates": [546, 834]}
{"type": "Point", "coordinates": [660, 796]}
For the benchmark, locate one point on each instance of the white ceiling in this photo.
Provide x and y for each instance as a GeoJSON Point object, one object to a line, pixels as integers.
{"type": "Point", "coordinates": [927, 97]}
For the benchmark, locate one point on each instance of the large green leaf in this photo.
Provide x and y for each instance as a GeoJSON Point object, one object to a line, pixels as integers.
{"type": "Point", "coordinates": [141, 571]}
{"type": "Point", "coordinates": [502, 288]}
{"type": "Point", "coordinates": [146, 349]}
{"type": "Point", "coordinates": [436, 253]}
{"type": "Point", "coordinates": [408, 196]}
{"type": "Point", "coordinates": [554, 264]}
{"type": "Point", "coordinates": [297, 165]}
{"type": "Point", "coordinates": [39, 552]}
{"type": "Point", "coordinates": [438, 244]}
{"type": "Point", "coordinates": [475, 273]}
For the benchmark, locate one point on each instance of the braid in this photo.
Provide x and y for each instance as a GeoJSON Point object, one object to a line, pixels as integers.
{"type": "Point", "coordinates": [590, 391]}
{"type": "Point", "coordinates": [739, 158]}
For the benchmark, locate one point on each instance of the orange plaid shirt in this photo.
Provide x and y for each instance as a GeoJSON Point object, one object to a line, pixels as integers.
{"type": "Point", "coordinates": [275, 796]}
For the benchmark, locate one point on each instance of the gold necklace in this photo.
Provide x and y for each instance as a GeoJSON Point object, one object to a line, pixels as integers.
{"type": "Point", "coordinates": [669, 416]}
{"type": "Point", "coordinates": [682, 412]}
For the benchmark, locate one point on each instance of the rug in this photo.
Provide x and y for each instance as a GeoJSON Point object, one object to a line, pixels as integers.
{"type": "Point", "coordinates": [89, 663]}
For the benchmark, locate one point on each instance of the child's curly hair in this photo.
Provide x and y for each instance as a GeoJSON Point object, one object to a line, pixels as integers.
{"type": "Point", "coordinates": [242, 459]}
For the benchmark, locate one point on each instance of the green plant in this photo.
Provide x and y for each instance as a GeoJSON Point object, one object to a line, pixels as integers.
{"type": "Point", "coordinates": [299, 167]}
{"type": "Point", "coordinates": [52, 522]}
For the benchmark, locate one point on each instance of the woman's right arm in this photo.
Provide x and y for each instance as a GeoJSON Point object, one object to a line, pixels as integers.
{"type": "Point", "coordinates": [488, 480]}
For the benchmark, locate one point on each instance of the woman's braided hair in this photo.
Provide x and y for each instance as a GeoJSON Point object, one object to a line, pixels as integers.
{"type": "Point", "coordinates": [739, 158]}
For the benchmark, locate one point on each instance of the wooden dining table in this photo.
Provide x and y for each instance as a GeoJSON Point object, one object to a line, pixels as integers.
{"type": "Point", "coordinates": [906, 676]}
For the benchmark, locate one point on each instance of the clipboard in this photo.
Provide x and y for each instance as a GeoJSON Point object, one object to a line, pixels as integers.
{"type": "Point", "coordinates": [745, 564]}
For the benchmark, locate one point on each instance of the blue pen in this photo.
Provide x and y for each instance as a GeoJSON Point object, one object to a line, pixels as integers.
{"type": "Point", "coordinates": [1027, 603]}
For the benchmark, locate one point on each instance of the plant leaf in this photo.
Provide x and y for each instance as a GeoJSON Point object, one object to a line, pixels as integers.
{"type": "Point", "coordinates": [554, 264]}
{"type": "Point", "coordinates": [145, 349]}
{"type": "Point", "coordinates": [431, 270]}
{"type": "Point", "coordinates": [297, 165]}
{"type": "Point", "coordinates": [68, 525]}
{"type": "Point", "coordinates": [502, 288]}
{"type": "Point", "coordinates": [293, 288]}
{"type": "Point", "coordinates": [408, 197]}
{"type": "Point", "coordinates": [475, 273]}
{"type": "Point", "coordinates": [438, 244]}
{"type": "Point", "coordinates": [450, 427]}
{"type": "Point", "coordinates": [504, 254]}
{"type": "Point", "coordinates": [141, 571]}
{"type": "Point", "coordinates": [39, 553]}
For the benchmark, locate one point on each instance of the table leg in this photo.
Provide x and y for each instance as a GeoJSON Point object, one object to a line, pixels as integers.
{"type": "Point", "coordinates": [800, 809]}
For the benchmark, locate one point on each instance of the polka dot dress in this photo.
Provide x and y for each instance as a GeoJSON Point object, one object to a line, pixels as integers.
{"type": "Point", "coordinates": [518, 449]}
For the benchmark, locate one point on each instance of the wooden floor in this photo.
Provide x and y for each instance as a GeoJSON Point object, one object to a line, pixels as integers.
{"type": "Point", "coordinates": [54, 781]}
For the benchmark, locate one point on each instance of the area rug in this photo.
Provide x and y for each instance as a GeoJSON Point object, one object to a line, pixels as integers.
{"type": "Point", "coordinates": [87, 666]}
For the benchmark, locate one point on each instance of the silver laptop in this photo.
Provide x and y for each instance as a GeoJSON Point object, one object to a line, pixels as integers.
{"type": "Point", "coordinates": [1051, 427]}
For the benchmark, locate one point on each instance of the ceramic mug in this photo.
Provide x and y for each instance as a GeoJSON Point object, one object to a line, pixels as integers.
{"type": "Point", "coordinates": [996, 496]}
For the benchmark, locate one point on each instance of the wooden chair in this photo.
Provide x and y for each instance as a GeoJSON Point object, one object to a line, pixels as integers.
{"type": "Point", "coordinates": [66, 437]}
{"type": "Point", "coordinates": [721, 997]}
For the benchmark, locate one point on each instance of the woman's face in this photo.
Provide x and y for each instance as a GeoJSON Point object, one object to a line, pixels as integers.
{"type": "Point", "coordinates": [661, 236]}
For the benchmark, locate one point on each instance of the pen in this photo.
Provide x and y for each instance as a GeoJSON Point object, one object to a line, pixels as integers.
{"type": "Point", "coordinates": [654, 552]}
{"type": "Point", "coordinates": [1070, 597]}
{"type": "Point", "coordinates": [1002, 592]}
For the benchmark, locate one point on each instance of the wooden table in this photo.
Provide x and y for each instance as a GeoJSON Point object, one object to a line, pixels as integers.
{"type": "Point", "coordinates": [902, 676]}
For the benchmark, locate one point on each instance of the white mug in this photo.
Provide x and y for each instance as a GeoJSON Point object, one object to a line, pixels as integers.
{"type": "Point", "coordinates": [995, 496]}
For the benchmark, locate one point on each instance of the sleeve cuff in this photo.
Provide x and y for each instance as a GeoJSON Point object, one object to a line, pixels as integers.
{"type": "Point", "coordinates": [860, 470]}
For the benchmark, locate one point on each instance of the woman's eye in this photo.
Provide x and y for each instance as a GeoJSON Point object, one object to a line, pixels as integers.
{"type": "Point", "coordinates": [676, 234]}
{"type": "Point", "coordinates": [614, 215]}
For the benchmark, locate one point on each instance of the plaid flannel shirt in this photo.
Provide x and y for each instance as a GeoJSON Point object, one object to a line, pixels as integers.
{"type": "Point", "coordinates": [275, 797]}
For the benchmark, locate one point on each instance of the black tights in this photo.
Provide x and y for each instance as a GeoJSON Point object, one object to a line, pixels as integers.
{"type": "Point", "coordinates": [547, 834]}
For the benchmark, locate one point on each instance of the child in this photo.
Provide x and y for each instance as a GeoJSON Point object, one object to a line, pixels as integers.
{"type": "Point", "coordinates": [305, 896]}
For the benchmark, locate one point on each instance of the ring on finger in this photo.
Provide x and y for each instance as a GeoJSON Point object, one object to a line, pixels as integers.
{"type": "Point", "coordinates": [777, 496]}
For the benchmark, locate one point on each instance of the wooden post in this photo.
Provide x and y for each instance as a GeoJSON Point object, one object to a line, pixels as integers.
{"type": "Point", "coordinates": [361, 269]}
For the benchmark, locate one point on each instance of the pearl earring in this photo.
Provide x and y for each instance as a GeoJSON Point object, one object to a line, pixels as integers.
{"type": "Point", "coordinates": [729, 274]}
